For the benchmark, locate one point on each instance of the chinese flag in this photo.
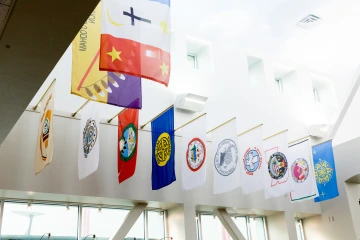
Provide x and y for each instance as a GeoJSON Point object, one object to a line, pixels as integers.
{"type": "Point", "coordinates": [127, 143]}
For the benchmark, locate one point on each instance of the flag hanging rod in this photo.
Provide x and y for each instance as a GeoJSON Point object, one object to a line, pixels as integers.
{"type": "Point", "coordinates": [250, 130]}
{"type": "Point", "coordinates": [44, 95]}
{"type": "Point", "coordinates": [142, 126]}
{"type": "Point", "coordinates": [190, 121]}
{"type": "Point", "coordinates": [323, 142]}
{"type": "Point", "coordinates": [276, 134]}
{"type": "Point", "coordinates": [220, 125]}
{"type": "Point", "coordinates": [109, 121]}
{"type": "Point", "coordinates": [82, 106]}
{"type": "Point", "coordinates": [308, 136]}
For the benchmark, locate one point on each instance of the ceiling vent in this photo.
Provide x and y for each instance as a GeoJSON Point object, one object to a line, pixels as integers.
{"type": "Point", "coordinates": [5, 10]}
{"type": "Point", "coordinates": [309, 21]}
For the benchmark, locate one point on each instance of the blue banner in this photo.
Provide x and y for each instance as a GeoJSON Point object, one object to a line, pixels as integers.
{"type": "Point", "coordinates": [325, 172]}
{"type": "Point", "coordinates": [163, 150]}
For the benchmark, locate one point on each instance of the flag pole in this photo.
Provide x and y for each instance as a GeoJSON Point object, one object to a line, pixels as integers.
{"type": "Point", "coordinates": [74, 114]}
{"type": "Point", "coordinates": [109, 121]}
{"type": "Point", "coordinates": [34, 108]}
{"type": "Point", "coordinates": [276, 134]}
{"type": "Point", "coordinates": [190, 121]}
{"type": "Point", "coordinates": [220, 125]}
{"type": "Point", "coordinates": [250, 130]}
{"type": "Point", "coordinates": [142, 126]}
{"type": "Point", "coordinates": [300, 139]}
{"type": "Point", "coordinates": [323, 142]}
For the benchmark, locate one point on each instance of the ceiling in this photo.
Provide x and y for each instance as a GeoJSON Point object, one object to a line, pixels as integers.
{"type": "Point", "coordinates": [261, 28]}
{"type": "Point", "coordinates": [35, 37]}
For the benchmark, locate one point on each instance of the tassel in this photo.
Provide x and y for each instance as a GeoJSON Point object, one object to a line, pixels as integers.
{"type": "Point", "coordinates": [106, 86]}
{"type": "Point", "coordinates": [113, 82]}
{"type": "Point", "coordinates": [89, 92]}
{"type": "Point", "coordinates": [98, 90]}
{"type": "Point", "coordinates": [119, 75]}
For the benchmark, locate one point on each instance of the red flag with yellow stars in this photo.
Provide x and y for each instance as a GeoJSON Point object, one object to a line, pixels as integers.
{"type": "Point", "coordinates": [135, 38]}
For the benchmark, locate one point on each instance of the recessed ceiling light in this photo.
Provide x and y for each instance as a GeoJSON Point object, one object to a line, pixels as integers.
{"type": "Point", "coordinates": [310, 21]}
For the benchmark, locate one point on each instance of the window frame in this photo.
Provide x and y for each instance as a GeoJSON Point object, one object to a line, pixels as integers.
{"type": "Point", "coordinates": [194, 56]}
{"type": "Point", "coordinates": [279, 84]}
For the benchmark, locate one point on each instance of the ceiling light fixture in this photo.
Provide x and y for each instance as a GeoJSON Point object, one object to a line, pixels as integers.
{"type": "Point", "coordinates": [190, 102]}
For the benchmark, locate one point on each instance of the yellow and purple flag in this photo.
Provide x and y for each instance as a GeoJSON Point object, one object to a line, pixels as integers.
{"type": "Point", "coordinates": [88, 82]}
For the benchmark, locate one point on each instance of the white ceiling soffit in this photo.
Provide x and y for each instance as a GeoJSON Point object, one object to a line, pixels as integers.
{"type": "Point", "coordinates": [5, 11]}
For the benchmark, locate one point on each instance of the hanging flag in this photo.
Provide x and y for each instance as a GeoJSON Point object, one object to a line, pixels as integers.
{"type": "Point", "coordinates": [90, 83]}
{"type": "Point", "coordinates": [163, 150]}
{"type": "Point", "coordinates": [325, 172]}
{"type": "Point", "coordinates": [88, 157]}
{"type": "Point", "coordinates": [127, 143]}
{"type": "Point", "coordinates": [251, 160]}
{"type": "Point", "coordinates": [136, 37]}
{"type": "Point", "coordinates": [277, 165]}
{"type": "Point", "coordinates": [194, 154]}
{"type": "Point", "coordinates": [302, 172]}
{"type": "Point", "coordinates": [226, 160]}
{"type": "Point", "coordinates": [45, 141]}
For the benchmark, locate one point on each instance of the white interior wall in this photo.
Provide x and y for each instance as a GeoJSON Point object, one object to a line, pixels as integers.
{"type": "Point", "coordinates": [290, 84]}
{"type": "Point", "coordinates": [176, 222]}
{"type": "Point", "coordinates": [277, 227]}
{"type": "Point", "coordinates": [353, 192]}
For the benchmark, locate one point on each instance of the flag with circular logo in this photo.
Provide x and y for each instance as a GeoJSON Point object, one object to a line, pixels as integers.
{"type": "Point", "coordinates": [278, 166]}
{"type": "Point", "coordinates": [88, 156]}
{"type": "Point", "coordinates": [251, 160]}
{"type": "Point", "coordinates": [226, 158]}
{"type": "Point", "coordinates": [45, 140]}
{"type": "Point", "coordinates": [163, 150]}
{"type": "Point", "coordinates": [325, 172]}
{"type": "Point", "coordinates": [194, 154]}
{"type": "Point", "coordinates": [302, 172]}
{"type": "Point", "coordinates": [127, 143]}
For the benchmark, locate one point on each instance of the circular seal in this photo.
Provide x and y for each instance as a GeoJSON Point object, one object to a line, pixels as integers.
{"type": "Point", "coordinates": [44, 139]}
{"type": "Point", "coordinates": [163, 149]}
{"type": "Point", "coordinates": [252, 160]}
{"type": "Point", "coordinates": [300, 170]}
{"type": "Point", "coordinates": [277, 165]}
{"type": "Point", "coordinates": [226, 157]}
{"type": "Point", "coordinates": [195, 154]}
{"type": "Point", "coordinates": [127, 143]}
{"type": "Point", "coordinates": [323, 172]}
{"type": "Point", "coordinates": [90, 134]}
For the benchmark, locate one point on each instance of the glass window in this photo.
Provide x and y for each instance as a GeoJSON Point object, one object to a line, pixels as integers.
{"type": "Point", "coordinates": [300, 230]}
{"type": "Point", "coordinates": [212, 229]}
{"type": "Point", "coordinates": [25, 221]}
{"type": "Point", "coordinates": [104, 223]}
{"type": "Point", "coordinates": [192, 60]}
{"type": "Point", "coordinates": [241, 223]}
{"type": "Point", "coordinates": [156, 225]}
{"type": "Point", "coordinates": [257, 228]}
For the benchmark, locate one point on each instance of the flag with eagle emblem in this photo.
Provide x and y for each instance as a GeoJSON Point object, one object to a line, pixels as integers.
{"type": "Point", "coordinates": [136, 38]}
{"type": "Point", "coordinates": [226, 159]}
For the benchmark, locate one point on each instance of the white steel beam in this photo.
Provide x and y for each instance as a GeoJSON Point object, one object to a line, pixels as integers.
{"type": "Point", "coordinates": [229, 224]}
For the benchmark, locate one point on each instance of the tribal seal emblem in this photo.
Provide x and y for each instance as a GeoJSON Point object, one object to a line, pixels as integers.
{"type": "Point", "coordinates": [44, 138]}
{"type": "Point", "coordinates": [277, 166]}
{"type": "Point", "coordinates": [163, 149]}
{"type": "Point", "coordinates": [300, 170]}
{"type": "Point", "coordinates": [195, 154]}
{"type": "Point", "coordinates": [252, 160]}
{"type": "Point", "coordinates": [323, 172]}
{"type": "Point", "coordinates": [127, 143]}
{"type": "Point", "coordinates": [226, 157]}
{"type": "Point", "coordinates": [90, 134]}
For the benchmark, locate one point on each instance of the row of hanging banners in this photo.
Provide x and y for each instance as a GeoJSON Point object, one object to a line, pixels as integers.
{"type": "Point", "coordinates": [110, 55]}
{"type": "Point", "coordinates": [245, 160]}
